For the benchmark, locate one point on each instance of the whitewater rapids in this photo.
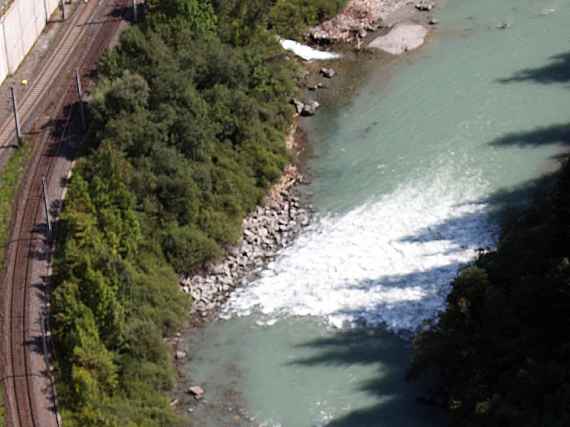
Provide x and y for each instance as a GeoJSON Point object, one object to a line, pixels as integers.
{"type": "Point", "coordinates": [388, 262]}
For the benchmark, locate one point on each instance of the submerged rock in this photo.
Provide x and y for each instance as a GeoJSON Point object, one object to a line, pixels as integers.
{"type": "Point", "coordinates": [503, 26]}
{"type": "Point", "coordinates": [402, 38]}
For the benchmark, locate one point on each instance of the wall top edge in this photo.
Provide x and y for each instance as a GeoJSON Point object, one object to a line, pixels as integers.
{"type": "Point", "coordinates": [4, 6]}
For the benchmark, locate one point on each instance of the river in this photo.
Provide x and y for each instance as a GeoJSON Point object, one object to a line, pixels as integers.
{"type": "Point", "coordinates": [413, 161]}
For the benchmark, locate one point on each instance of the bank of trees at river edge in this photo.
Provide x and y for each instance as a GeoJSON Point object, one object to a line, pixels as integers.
{"type": "Point", "coordinates": [502, 347]}
{"type": "Point", "coordinates": [187, 128]}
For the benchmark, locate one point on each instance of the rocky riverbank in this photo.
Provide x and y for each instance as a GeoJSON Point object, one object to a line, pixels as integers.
{"type": "Point", "coordinates": [360, 18]}
{"type": "Point", "coordinates": [271, 227]}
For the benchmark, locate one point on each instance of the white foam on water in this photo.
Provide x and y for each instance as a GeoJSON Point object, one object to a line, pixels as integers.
{"type": "Point", "coordinates": [306, 52]}
{"type": "Point", "coordinates": [388, 263]}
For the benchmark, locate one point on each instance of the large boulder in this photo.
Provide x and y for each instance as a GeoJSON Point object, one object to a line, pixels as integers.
{"type": "Point", "coordinates": [402, 38]}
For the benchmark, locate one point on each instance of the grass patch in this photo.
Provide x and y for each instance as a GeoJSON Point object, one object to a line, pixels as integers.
{"type": "Point", "coordinates": [9, 182]}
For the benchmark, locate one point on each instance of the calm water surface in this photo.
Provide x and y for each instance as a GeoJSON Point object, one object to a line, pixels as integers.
{"type": "Point", "coordinates": [408, 172]}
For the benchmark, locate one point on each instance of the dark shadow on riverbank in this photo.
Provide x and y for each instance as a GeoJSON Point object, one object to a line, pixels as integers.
{"type": "Point", "coordinates": [557, 71]}
{"type": "Point", "coordinates": [397, 405]}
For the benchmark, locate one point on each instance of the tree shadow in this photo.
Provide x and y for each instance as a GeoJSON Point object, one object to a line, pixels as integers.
{"type": "Point", "coordinates": [557, 71]}
{"type": "Point", "coordinates": [397, 401]}
{"type": "Point", "coordinates": [553, 134]}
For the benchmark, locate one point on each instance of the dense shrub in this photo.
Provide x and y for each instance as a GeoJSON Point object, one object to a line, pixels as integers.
{"type": "Point", "coordinates": [186, 135]}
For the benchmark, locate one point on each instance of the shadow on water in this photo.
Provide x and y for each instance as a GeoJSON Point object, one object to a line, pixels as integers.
{"type": "Point", "coordinates": [557, 71]}
{"type": "Point", "coordinates": [397, 405]}
{"type": "Point", "coordinates": [553, 134]}
{"type": "Point", "coordinates": [388, 354]}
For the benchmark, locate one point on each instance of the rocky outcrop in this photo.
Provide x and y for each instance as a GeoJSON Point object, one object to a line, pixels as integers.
{"type": "Point", "coordinates": [266, 230]}
{"type": "Point", "coordinates": [355, 21]}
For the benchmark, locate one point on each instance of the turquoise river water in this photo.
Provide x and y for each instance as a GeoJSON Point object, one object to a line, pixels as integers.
{"type": "Point", "coordinates": [410, 167]}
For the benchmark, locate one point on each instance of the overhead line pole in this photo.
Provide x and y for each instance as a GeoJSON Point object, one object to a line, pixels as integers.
{"type": "Point", "coordinates": [46, 203]}
{"type": "Point", "coordinates": [16, 116]}
{"type": "Point", "coordinates": [81, 104]}
{"type": "Point", "coordinates": [135, 12]}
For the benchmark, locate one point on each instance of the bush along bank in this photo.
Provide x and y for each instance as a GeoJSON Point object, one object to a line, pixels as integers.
{"type": "Point", "coordinates": [186, 135]}
{"type": "Point", "coordinates": [270, 227]}
{"type": "Point", "coordinates": [501, 349]}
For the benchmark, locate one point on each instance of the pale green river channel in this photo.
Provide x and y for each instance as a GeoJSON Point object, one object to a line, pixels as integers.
{"type": "Point", "coordinates": [411, 158]}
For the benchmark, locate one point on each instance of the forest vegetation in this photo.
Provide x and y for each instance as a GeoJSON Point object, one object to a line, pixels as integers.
{"type": "Point", "coordinates": [186, 134]}
{"type": "Point", "coordinates": [502, 346]}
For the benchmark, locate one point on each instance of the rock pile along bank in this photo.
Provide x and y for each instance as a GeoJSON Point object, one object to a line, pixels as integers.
{"type": "Point", "coordinates": [269, 228]}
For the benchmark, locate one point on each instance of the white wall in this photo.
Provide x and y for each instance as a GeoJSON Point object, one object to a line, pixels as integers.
{"type": "Point", "coordinates": [20, 27]}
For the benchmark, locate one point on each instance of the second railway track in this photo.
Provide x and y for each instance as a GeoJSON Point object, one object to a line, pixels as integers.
{"type": "Point", "coordinates": [52, 67]}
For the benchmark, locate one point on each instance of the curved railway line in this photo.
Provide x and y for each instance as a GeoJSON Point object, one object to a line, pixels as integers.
{"type": "Point", "coordinates": [30, 395]}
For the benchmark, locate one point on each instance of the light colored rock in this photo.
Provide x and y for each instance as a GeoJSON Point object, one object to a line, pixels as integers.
{"type": "Point", "coordinates": [196, 391]}
{"type": "Point", "coordinates": [180, 355]}
{"type": "Point", "coordinates": [402, 38]}
{"type": "Point", "coordinates": [424, 6]}
{"type": "Point", "coordinates": [310, 108]}
{"type": "Point", "coordinates": [299, 108]}
{"type": "Point", "coordinates": [329, 73]}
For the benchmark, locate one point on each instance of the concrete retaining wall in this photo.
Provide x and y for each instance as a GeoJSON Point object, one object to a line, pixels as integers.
{"type": "Point", "coordinates": [20, 27]}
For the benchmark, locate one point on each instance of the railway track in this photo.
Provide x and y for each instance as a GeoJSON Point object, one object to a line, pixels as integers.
{"type": "Point", "coordinates": [30, 395]}
{"type": "Point", "coordinates": [52, 69]}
